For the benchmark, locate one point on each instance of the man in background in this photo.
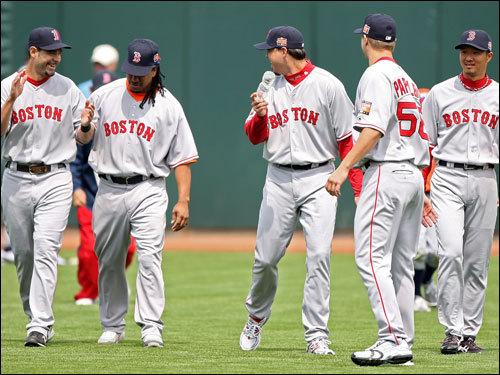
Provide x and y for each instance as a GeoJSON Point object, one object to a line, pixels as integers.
{"type": "Point", "coordinates": [104, 57]}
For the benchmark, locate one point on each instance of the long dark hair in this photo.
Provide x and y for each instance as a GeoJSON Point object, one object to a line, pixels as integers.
{"type": "Point", "coordinates": [156, 84]}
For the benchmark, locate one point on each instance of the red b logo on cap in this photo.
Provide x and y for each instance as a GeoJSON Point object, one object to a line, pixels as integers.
{"type": "Point", "coordinates": [472, 35]}
{"type": "Point", "coordinates": [56, 34]}
{"type": "Point", "coordinates": [137, 57]}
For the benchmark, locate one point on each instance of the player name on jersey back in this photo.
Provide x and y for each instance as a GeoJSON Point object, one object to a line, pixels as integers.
{"type": "Point", "coordinates": [388, 101]}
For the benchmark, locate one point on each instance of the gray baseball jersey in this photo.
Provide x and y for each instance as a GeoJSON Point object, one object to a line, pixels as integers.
{"type": "Point", "coordinates": [44, 119]}
{"type": "Point", "coordinates": [306, 122]}
{"type": "Point", "coordinates": [308, 114]}
{"type": "Point", "coordinates": [462, 123]}
{"type": "Point", "coordinates": [36, 207]}
{"type": "Point", "coordinates": [130, 141]}
{"type": "Point", "coordinates": [387, 220]}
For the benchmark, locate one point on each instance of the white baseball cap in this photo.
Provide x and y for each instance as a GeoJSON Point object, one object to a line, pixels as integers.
{"type": "Point", "coordinates": [105, 54]}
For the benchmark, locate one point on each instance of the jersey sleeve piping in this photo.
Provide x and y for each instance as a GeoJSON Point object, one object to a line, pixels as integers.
{"type": "Point", "coordinates": [191, 159]}
{"type": "Point", "coordinates": [344, 136]}
{"type": "Point", "coordinates": [363, 125]}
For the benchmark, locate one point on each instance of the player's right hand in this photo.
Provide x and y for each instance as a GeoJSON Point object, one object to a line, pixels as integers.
{"type": "Point", "coordinates": [259, 105]}
{"type": "Point", "coordinates": [79, 198]}
{"type": "Point", "coordinates": [18, 84]}
{"type": "Point", "coordinates": [429, 216]}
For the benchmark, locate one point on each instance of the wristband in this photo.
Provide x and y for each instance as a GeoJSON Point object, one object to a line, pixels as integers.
{"type": "Point", "coordinates": [85, 129]}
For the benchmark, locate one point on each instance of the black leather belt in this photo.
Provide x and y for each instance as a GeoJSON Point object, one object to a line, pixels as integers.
{"type": "Point", "coordinates": [130, 180]}
{"type": "Point", "coordinates": [465, 166]}
{"type": "Point", "coordinates": [304, 166]}
{"type": "Point", "coordinates": [34, 168]}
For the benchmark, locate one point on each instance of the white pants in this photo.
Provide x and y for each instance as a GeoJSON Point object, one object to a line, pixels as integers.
{"type": "Point", "coordinates": [386, 230]}
{"type": "Point", "coordinates": [466, 202]}
{"type": "Point", "coordinates": [35, 211]}
{"type": "Point", "coordinates": [288, 196]}
{"type": "Point", "coordinates": [120, 211]}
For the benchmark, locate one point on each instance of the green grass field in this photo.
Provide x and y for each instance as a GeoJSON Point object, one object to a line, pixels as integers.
{"type": "Point", "coordinates": [204, 315]}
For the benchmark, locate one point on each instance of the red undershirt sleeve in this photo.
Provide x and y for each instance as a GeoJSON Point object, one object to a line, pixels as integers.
{"type": "Point", "coordinates": [256, 129]}
{"type": "Point", "coordinates": [355, 175]}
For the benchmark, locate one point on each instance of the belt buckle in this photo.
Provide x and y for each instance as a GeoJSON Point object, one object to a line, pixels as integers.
{"type": "Point", "coordinates": [41, 169]}
{"type": "Point", "coordinates": [468, 167]}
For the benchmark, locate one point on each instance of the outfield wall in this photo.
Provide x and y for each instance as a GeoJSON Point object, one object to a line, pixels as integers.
{"type": "Point", "coordinates": [211, 67]}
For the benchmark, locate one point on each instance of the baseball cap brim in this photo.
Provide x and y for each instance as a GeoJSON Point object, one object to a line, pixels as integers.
{"type": "Point", "coordinates": [53, 46]}
{"type": "Point", "coordinates": [458, 46]}
{"type": "Point", "coordinates": [263, 45]}
{"type": "Point", "coordinates": [358, 31]}
{"type": "Point", "coordinates": [136, 70]}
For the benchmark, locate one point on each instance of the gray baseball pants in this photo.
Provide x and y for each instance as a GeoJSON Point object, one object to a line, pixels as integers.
{"type": "Point", "coordinates": [35, 210]}
{"type": "Point", "coordinates": [288, 196]}
{"type": "Point", "coordinates": [120, 211]}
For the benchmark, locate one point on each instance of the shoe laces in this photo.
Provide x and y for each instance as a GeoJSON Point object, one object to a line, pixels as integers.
{"type": "Point", "coordinates": [451, 339]}
{"type": "Point", "coordinates": [469, 344]}
{"type": "Point", "coordinates": [320, 344]}
{"type": "Point", "coordinates": [252, 329]}
{"type": "Point", "coordinates": [377, 344]}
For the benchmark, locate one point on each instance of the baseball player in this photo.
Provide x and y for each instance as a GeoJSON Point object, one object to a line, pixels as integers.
{"type": "Point", "coordinates": [41, 113]}
{"type": "Point", "coordinates": [141, 135]}
{"type": "Point", "coordinates": [84, 191]}
{"type": "Point", "coordinates": [392, 147]}
{"type": "Point", "coordinates": [461, 117]}
{"type": "Point", "coordinates": [305, 120]}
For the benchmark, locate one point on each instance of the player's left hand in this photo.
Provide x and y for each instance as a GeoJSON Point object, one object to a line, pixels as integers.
{"type": "Point", "coordinates": [180, 216]}
{"type": "Point", "coordinates": [429, 216]}
{"type": "Point", "coordinates": [335, 181]}
{"type": "Point", "coordinates": [87, 113]}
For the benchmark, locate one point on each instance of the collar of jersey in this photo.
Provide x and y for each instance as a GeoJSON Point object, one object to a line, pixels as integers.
{"type": "Point", "coordinates": [295, 79]}
{"type": "Point", "coordinates": [386, 58]}
{"type": "Point", "coordinates": [474, 85]}
{"type": "Point", "coordinates": [138, 96]}
{"type": "Point", "coordinates": [36, 83]}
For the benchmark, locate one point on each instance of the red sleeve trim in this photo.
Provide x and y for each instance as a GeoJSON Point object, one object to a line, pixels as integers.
{"type": "Point", "coordinates": [256, 129]}
{"type": "Point", "coordinates": [355, 175]}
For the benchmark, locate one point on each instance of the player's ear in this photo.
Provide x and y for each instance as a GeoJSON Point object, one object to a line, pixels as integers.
{"type": "Point", "coordinates": [32, 51]}
{"type": "Point", "coordinates": [489, 56]}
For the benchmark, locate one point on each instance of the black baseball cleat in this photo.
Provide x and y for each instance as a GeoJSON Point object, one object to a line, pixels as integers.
{"type": "Point", "coordinates": [468, 345]}
{"type": "Point", "coordinates": [450, 344]}
{"type": "Point", "coordinates": [35, 339]}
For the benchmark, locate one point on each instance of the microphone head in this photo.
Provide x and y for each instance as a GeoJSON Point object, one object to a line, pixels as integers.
{"type": "Point", "coordinates": [268, 77]}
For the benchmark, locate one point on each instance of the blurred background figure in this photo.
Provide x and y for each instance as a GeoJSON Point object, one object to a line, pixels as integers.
{"type": "Point", "coordinates": [104, 57]}
{"type": "Point", "coordinates": [84, 191]}
{"type": "Point", "coordinates": [7, 254]}
{"type": "Point", "coordinates": [426, 260]}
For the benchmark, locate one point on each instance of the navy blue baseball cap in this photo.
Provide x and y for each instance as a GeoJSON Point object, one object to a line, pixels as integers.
{"type": "Point", "coordinates": [46, 38]}
{"type": "Point", "coordinates": [379, 26]}
{"type": "Point", "coordinates": [142, 57]}
{"type": "Point", "coordinates": [479, 39]}
{"type": "Point", "coordinates": [282, 36]}
{"type": "Point", "coordinates": [102, 78]}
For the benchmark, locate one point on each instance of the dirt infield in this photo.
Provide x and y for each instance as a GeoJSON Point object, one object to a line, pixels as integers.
{"type": "Point", "coordinates": [234, 240]}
